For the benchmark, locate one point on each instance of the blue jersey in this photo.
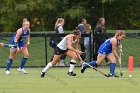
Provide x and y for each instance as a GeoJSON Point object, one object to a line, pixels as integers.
{"type": "Point", "coordinates": [21, 38]}
{"type": "Point", "coordinates": [81, 27]}
{"type": "Point", "coordinates": [106, 47]}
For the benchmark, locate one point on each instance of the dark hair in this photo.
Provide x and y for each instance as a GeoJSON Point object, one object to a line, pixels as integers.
{"type": "Point", "coordinates": [76, 32]}
{"type": "Point", "coordinates": [80, 20]}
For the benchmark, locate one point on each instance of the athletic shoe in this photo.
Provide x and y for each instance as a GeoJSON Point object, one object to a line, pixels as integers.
{"type": "Point", "coordinates": [71, 73]}
{"type": "Point", "coordinates": [22, 70]}
{"type": "Point", "coordinates": [83, 68]}
{"type": "Point", "coordinates": [42, 74]}
{"type": "Point", "coordinates": [111, 76]}
{"type": "Point", "coordinates": [7, 72]}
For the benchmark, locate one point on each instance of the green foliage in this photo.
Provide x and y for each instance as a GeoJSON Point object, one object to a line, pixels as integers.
{"type": "Point", "coordinates": [75, 12]}
{"type": "Point", "coordinates": [8, 15]}
{"type": "Point", "coordinates": [123, 14]}
{"type": "Point", "coordinates": [43, 13]}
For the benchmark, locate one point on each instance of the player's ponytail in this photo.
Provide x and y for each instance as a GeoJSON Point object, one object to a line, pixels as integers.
{"type": "Point", "coordinates": [119, 33]}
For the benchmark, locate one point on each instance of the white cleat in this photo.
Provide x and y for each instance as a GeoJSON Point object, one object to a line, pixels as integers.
{"type": "Point", "coordinates": [22, 70]}
{"type": "Point", "coordinates": [7, 72]}
{"type": "Point", "coordinates": [19, 69]}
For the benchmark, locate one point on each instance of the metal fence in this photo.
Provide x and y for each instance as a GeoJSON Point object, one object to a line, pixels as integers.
{"type": "Point", "coordinates": [41, 52]}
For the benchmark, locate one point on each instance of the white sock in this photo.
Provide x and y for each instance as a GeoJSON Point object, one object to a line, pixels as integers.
{"type": "Point", "coordinates": [72, 64]}
{"type": "Point", "coordinates": [71, 68]}
{"type": "Point", "coordinates": [49, 65]}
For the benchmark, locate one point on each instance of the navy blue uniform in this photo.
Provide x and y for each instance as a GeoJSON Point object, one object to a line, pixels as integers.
{"type": "Point", "coordinates": [21, 38]}
{"type": "Point", "coordinates": [106, 47]}
{"type": "Point", "coordinates": [20, 42]}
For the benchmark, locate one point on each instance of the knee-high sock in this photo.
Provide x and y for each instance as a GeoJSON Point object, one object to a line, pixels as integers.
{"type": "Point", "coordinates": [23, 61]}
{"type": "Point", "coordinates": [72, 65]}
{"type": "Point", "coordinates": [112, 68]}
{"type": "Point", "coordinates": [92, 63]}
{"type": "Point", "coordinates": [9, 62]}
{"type": "Point", "coordinates": [49, 65]}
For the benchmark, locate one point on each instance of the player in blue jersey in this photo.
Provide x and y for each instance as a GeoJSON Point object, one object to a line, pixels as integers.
{"type": "Point", "coordinates": [108, 49]}
{"type": "Point", "coordinates": [18, 41]}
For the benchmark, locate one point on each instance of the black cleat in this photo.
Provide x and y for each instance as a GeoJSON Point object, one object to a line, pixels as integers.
{"type": "Point", "coordinates": [83, 68]}
{"type": "Point", "coordinates": [111, 76]}
{"type": "Point", "coordinates": [71, 73]}
{"type": "Point", "coordinates": [42, 74]}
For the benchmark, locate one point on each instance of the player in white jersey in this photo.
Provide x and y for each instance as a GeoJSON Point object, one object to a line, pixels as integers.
{"type": "Point", "coordinates": [65, 47]}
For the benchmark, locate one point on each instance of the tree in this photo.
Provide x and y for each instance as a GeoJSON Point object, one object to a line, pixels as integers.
{"type": "Point", "coordinates": [43, 13]}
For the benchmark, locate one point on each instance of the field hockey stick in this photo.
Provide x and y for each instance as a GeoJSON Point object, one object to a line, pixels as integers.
{"type": "Point", "coordinates": [7, 45]}
{"type": "Point", "coordinates": [120, 63]}
{"type": "Point", "coordinates": [96, 69]}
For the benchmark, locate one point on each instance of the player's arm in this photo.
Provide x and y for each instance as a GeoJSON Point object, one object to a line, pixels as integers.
{"type": "Point", "coordinates": [76, 47]}
{"type": "Point", "coordinates": [69, 45]}
{"type": "Point", "coordinates": [19, 32]}
{"type": "Point", "coordinates": [114, 43]}
{"type": "Point", "coordinates": [28, 38]}
{"type": "Point", "coordinates": [77, 44]}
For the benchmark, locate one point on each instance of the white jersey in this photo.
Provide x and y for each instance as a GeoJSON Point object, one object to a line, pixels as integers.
{"type": "Point", "coordinates": [63, 43]}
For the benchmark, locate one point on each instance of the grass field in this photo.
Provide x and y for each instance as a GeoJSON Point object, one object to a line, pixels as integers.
{"type": "Point", "coordinates": [57, 81]}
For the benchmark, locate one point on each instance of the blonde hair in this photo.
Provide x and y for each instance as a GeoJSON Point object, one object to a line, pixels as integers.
{"type": "Point", "coordinates": [24, 20]}
{"type": "Point", "coordinates": [59, 20]}
{"type": "Point", "coordinates": [119, 33]}
{"type": "Point", "coordinates": [87, 27]}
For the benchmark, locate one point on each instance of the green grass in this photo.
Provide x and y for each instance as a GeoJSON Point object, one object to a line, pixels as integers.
{"type": "Point", "coordinates": [57, 81]}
